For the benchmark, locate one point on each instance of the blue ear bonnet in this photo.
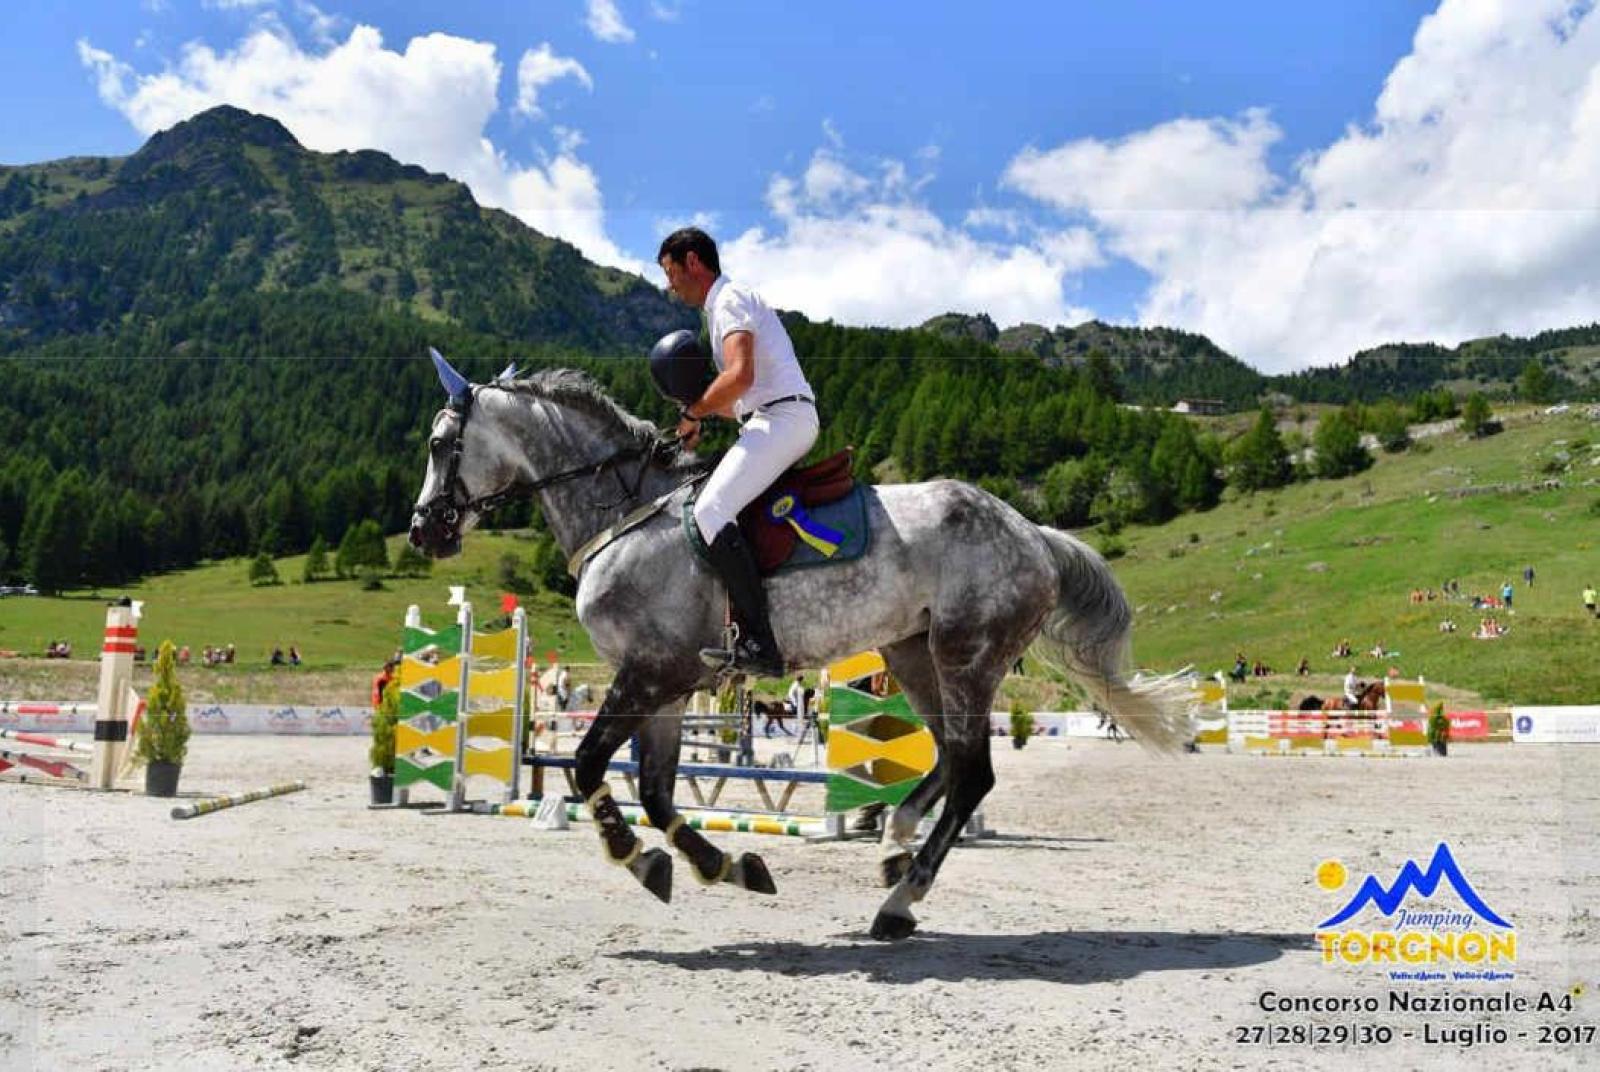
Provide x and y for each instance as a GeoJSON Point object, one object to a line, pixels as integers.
{"type": "Point", "coordinates": [455, 384]}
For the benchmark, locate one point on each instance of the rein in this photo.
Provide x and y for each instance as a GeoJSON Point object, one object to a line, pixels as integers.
{"type": "Point", "coordinates": [454, 499]}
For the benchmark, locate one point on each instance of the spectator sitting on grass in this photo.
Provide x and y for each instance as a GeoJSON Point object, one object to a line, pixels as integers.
{"type": "Point", "coordinates": [1240, 670]}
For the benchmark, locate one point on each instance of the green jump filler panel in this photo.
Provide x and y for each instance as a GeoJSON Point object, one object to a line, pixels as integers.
{"type": "Point", "coordinates": [878, 749]}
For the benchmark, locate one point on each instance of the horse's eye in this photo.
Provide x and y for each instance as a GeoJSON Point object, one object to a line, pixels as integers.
{"type": "Point", "coordinates": [433, 444]}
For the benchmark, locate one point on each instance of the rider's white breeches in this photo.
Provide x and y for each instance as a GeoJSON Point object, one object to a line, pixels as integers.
{"type": "Point", "coordinates": [771, 441]}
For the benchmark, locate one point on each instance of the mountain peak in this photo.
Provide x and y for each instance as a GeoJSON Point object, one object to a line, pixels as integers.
{"type": "Point", "coordinates": [963, 326]}
{"type": "Point", "coordinates": [226, 121]}
{"type": "Point", "coordinates": [206, 134]}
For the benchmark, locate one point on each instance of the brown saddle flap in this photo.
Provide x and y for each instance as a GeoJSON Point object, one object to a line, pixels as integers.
{"type": "Point", "coordinates": [814, 485]}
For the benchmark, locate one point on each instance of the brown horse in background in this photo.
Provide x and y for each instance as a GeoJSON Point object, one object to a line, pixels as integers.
{"type": "Point", "coordinates": [1371, 699]}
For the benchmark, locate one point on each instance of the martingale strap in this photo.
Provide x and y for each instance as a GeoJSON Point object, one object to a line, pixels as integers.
{"type": "Point", "coordinates": [605, 537]}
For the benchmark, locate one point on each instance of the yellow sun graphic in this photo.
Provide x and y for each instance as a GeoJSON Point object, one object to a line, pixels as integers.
{"type": "Point", "coordinates": [1331, 874]}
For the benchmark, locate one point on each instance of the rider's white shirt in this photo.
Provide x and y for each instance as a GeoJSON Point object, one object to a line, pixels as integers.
{"type": "Point", "coordinates": [730, 308]}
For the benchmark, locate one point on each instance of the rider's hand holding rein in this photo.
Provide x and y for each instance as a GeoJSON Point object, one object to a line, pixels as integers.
{"type": "Point", "coordinates": [738, 373]}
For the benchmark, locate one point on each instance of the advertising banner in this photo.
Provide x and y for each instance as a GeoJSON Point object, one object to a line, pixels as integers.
{"type": "Point", "coordinates": [1555, 725]}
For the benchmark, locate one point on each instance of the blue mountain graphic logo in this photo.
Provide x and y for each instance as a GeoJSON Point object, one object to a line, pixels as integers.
{"type": "Point", "coordinates": [1412, 879]}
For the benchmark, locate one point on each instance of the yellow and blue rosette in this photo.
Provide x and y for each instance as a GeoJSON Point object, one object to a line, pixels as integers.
{"type": "Point", "coordinates": [824, 540]}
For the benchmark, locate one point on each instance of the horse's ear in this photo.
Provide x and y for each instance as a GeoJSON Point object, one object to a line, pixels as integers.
{"type": "Point", "coordinates": [455, 384]}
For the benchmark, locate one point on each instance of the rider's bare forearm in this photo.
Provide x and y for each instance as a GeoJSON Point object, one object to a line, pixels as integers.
{"type": "Point", "coordinates": [738, 373]}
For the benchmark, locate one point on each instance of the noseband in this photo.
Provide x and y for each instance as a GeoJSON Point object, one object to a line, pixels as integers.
{"type": "Point", "coordinates": [454, 500]}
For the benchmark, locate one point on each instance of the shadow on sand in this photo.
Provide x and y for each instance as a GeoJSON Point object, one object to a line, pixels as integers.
{"type": "Point", "coordinates": [1067, 957]}
{"type": "Point", "coordinates": [993, 840]}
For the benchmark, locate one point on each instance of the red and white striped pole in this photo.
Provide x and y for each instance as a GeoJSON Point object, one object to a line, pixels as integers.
{"type": "Point", "coordinates": [111, 710]}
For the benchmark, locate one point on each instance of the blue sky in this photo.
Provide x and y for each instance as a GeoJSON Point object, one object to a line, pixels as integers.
{"type": "Point", "coordinates": [1296, 181]}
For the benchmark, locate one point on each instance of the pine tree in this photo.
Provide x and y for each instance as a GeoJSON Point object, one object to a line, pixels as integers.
{"type": "Point", "coordinates": [1388, 422]}
{"type": "Point", "coordinates": [1475, 415]}
{"type": "Point", "coordinates": [1535, 384]}
{"type": "Point", "coordinates": [55, 556]}
{"type": "Point", "coordinates": [163, 734]}
{"type": "Point", "coordinates": [409, 562]}
{"type": "Point", "coordinates": [1259, 459]}
{"type": "Point", "coordinates": [1338, 447]}
{"type": "Point", "coordinates": [101, 564]}
{"type": "Point", "coordinates": [368, 550]}
{"type": "Point", "coordinates": [381, 752]}
{"type": "Point", "coordinates": [262, 570]}
{"type": "Point", "coordinates": [316, 566]}
{"type": "Point", "coordinates": [1102, 374]}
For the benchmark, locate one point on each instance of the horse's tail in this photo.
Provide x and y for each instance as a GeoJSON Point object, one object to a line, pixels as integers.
{"type": "Point", "coordinates": [1087, 636]}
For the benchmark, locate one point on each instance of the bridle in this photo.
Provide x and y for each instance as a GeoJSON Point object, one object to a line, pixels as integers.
{"type": "Point", "coordinates": [453, 499]}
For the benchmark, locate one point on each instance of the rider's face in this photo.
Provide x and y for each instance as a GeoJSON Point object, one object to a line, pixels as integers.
{"type": "Point", "coordinates": [684, 280]}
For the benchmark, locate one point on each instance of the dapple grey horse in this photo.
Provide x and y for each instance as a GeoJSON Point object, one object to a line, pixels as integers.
{"type": "Point", "coordinates": [955, 587]}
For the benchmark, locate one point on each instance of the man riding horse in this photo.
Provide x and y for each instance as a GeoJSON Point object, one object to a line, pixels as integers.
{"type": "Point", "coordinates": [759, 382]}
{"type": "Point", "coordinates": [952, 588]}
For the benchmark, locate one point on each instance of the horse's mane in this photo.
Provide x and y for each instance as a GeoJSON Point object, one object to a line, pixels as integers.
{"type": "Point", "coordinates": [578, 391]}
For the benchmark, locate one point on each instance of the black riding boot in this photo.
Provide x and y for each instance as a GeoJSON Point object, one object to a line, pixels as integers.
{"type": "Point", "coordinates": [755, 652]}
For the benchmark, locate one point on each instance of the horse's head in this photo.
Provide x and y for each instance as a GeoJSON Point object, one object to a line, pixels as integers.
{"type": "Point", "coordinates": [472, 466]}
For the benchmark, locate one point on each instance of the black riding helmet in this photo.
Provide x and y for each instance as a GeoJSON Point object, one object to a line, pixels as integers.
{"type": "Point", "coordinates": [681, 369]}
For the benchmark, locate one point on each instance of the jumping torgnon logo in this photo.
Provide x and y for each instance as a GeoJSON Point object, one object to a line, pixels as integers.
{"type": "Point", "coordinates": [1423, 924]}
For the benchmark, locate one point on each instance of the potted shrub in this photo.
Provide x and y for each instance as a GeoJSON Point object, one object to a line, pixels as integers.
{"type": "Point", "coordinates": [381, 752]}
{"type": "Point", "coordinates": [1439, 730]}
{"type": "Point", "coordinates": [1021, 724]}
{"type": "Point", "coordinates": [162, 741]}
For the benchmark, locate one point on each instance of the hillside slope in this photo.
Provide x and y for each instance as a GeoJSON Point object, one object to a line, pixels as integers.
{"type": "Point", "coordinates": [227, 205]}
{"type": "Point", "coordinates": [1288, 574]}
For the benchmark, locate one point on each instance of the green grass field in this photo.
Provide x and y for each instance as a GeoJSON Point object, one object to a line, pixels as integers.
{"type": "Point", "coordinates": [335, 624]}
{"type": "Point", "coordinates": [1292, 572]}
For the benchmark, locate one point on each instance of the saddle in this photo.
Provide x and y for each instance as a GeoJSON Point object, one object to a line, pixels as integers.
{"type": "Point", "coordinates": [772, 539]}
{"type": "Point", "coordinates": [772, 523]}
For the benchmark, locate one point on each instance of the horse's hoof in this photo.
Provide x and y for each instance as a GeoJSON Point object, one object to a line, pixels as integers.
{"type": "Point", "coordinates": [752, 874]}
{"type": "Point", "coordinates": [888, 927]}
{"type": "Point", "coordinates": [653, 869]}
{"type": "Point", "coordinates": [891, 869]}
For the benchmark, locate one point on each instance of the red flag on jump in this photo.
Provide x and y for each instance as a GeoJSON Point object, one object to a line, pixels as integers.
{"type": "Point", "coordinates": [508, 602]}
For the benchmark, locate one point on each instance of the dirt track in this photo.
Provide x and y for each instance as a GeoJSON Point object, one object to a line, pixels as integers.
{"type": "Point", "coordinates": [1129, 916]}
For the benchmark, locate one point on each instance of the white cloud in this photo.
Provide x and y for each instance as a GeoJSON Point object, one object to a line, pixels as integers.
{"type": "Point", "coordinates": [1468, 205]}
{"type": "Point", "coordinates": [235, 5]}
{"type": "Point", "coordinates": [665, 12]}
{"type": "Point", "coordinates": [427, 105]}
{"type": "Point", "coordinates": [864, 250]}
{"type": "Point", "coordinates": [706, 221]}
{"type": "Point", "coordinates": [1008, 220]}
{"type": "Point", "coordinates": [1184, 164]}
{"type": "Point", "coordinates": [538, 68]}
{"type": "Point", "coordinates": [606, 22]}
{"type": "Point", "coordinates": [323, 26]}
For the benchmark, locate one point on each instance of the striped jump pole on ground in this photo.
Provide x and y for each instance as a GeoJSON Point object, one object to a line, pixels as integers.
{"type": "Point", "coordinates": [726, 823]}
{"type": "Point", "coordinates": [22, 737]}
{"type": "Point", "coordinates": [206, 807]}
{"type": "Point", "coordinates": [56, 766]}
